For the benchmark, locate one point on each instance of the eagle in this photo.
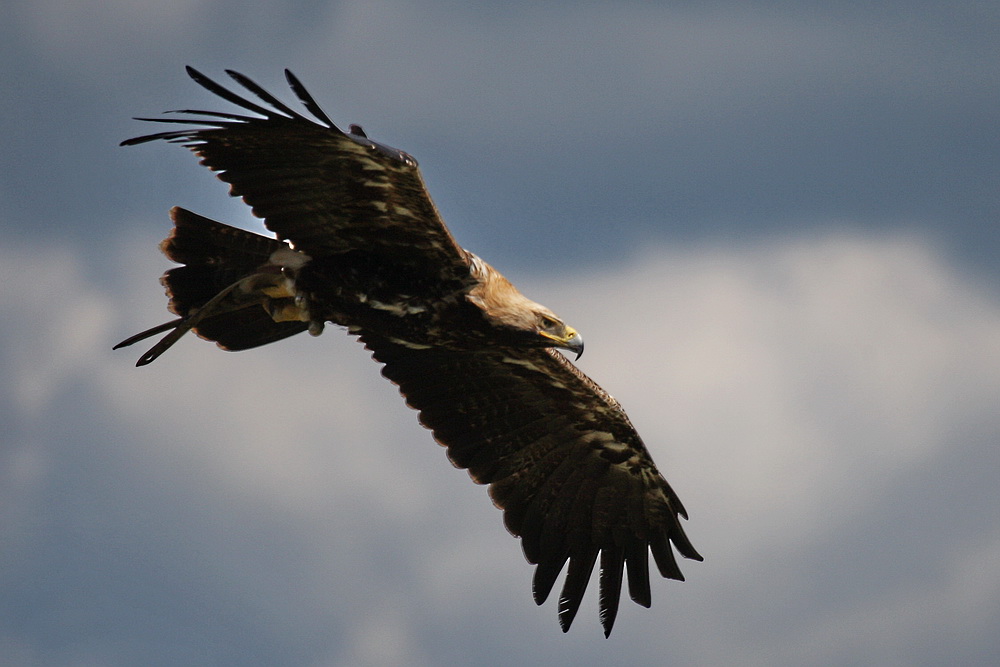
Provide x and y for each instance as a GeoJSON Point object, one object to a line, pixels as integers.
{"type": "Point", "coordinates": [359, 244]}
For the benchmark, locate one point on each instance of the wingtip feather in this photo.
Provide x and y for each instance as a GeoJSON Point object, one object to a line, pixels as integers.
{"type": "Point", "coordinates": [308, 100]}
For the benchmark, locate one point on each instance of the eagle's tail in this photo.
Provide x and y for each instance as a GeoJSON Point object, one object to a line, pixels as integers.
{"type": "Point", "coordinates": [229, 289]}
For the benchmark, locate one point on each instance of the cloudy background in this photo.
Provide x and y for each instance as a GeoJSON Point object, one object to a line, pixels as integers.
{"type": "Point", "coordinates": [775, 224]}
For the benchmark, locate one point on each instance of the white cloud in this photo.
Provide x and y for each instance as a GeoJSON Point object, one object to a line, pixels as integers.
{"type": "Point", "coordinates": [794, 365]}
{"type": "Point", "coordinates": [787, 390]}
{"type": "Point", "coordinates": [790, 390]}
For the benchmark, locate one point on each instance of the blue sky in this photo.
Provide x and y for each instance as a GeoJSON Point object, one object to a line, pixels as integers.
{"type": "Point", "coordinates": [775, 224]}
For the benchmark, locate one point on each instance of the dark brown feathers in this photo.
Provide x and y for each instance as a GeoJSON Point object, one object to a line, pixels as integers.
{"type": "Point", "coordinates": [563, 461]}
{"type": "Point", "coordinates": [360, 244]}
{"type": "Point", "coordinates": [326, 191]}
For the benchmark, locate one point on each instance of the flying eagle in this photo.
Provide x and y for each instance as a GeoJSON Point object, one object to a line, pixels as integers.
{"type": "Point", "coordinates": [360, 244]}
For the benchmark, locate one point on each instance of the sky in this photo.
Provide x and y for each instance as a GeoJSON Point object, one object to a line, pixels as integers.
{"type": "Point", "coordinates": [774, 223]}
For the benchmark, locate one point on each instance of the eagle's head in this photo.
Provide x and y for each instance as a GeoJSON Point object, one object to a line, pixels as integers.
{"type": "Point", "coordinates": [550, 328]}
{"type": "Point", "coordinates": [516, 318]}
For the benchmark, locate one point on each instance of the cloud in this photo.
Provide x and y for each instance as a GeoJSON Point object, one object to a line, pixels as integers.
{"type": "Point", "coordinates": [534, 71]}
{"type": "Point", "coordinates": [82, 35]}
{"type": "Point", "coordinates": [800, 395]}
{"type": "Point", "coordinates": [822, 399]}
{"type": "Point", "coordinates": [826, 391]}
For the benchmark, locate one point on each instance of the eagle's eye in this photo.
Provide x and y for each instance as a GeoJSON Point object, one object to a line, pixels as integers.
{"type": "Point", "coordinates": [549, 323]}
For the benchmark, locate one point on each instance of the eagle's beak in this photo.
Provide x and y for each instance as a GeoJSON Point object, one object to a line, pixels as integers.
{"type": "Point", "coordinates": [570, 340]}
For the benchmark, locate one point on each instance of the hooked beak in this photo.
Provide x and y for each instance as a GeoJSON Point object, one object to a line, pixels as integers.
{"type": "Point", "coordinates": [570, 340]}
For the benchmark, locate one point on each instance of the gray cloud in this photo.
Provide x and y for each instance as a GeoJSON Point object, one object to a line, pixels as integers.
{"type": "Point", "coordinates": [813, 401]}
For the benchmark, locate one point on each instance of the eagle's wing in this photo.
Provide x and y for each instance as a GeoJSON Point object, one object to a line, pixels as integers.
{"type": "Point", "coordinates": [561, 458]}
{"type": "Point", "coordinates": [325, 190]}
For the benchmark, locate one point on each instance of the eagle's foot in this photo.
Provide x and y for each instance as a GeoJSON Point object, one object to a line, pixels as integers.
{"type": "Point", "coordinates": [295, 309]}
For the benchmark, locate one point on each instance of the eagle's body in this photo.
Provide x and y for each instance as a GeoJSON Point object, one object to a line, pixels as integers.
{"type": "Point", "coordinates": [360, 244]}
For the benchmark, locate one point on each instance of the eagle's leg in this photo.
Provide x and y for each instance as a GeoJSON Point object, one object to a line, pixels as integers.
{"type": "Point", "coordinates": [267, 288]}
{"type": "Point", "coordinates": [294, 309]}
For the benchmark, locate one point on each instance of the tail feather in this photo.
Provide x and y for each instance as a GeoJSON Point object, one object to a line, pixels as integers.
{"type": "Point", "coordinates": [196, 239]}
{"type": "Point", "coordinates": [214, 256]}
{"type": "Point", "coordinates": [217, 293]}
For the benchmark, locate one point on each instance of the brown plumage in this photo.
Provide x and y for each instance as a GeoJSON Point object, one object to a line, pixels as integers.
{"type": "Point", "coordinates": [360, 244]}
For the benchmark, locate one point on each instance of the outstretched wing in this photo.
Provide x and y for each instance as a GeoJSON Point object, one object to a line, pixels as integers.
{"type": "Point", "coordinates": [561, 458]}
{"type": "Point", "coordinates": [325, 190]}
